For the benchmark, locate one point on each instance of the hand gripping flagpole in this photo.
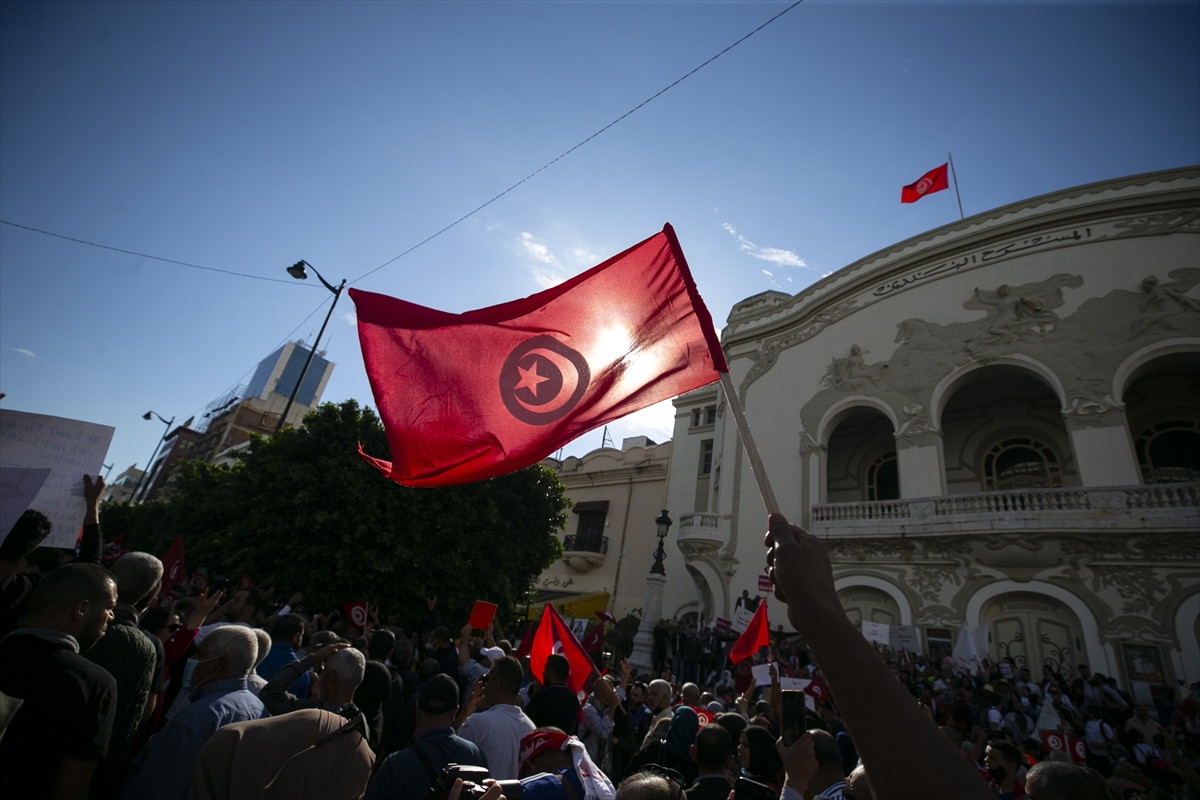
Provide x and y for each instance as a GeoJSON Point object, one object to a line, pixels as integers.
{"type": "Point", "coordinates": [756, 465]}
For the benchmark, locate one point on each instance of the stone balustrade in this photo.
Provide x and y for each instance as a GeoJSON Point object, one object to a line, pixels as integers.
{"type": "Point", "coordinates": [1168, 505]}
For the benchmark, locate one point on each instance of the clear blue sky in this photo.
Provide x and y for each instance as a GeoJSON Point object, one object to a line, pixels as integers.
{"type": "Point", "coordinates": [245, 136]}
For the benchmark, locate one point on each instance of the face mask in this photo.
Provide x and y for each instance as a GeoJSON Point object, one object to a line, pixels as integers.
{"type": "Point", "coordinates": [189, 670]}
{"type": "Point", "coordinates": [997, 773]}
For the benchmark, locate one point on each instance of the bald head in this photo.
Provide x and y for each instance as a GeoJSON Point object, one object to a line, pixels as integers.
{"type": "Point", "coordinates": [645, 786]}
{"type": "Point", "coordinates": [1055, 780]}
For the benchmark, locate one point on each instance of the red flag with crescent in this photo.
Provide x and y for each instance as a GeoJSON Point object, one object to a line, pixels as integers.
{"type": "Point", "coordinates": [933, 181]}
{"type": "Point", "coordinates": [172, 561]}
{"type": "Point", "coordinates": [470, 396]}
{"type": "Point", "coordinates": [554, 636]}
{"type": "Point", "coordinates": [357, 614]}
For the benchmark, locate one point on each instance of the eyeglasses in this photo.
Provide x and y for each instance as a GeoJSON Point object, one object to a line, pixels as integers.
{"type": "Point", "coordinates": [669, 775]}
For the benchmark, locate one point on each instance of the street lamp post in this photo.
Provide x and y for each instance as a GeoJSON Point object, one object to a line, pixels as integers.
{"type": "Point", "coordinates": [298, 272]}
{"type": "Point", "coordinates": [147, 416]}
{"type": "Point", "coordinates": [643, 643]}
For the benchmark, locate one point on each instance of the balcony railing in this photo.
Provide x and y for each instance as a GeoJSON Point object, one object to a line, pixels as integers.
{"type": "Point", "coordinates": [585, 544]}
{"type": "Point", "coordinates": [1166, 504]}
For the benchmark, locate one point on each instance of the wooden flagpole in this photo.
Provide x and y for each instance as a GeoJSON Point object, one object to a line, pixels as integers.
{"type": "Point", "coordinates": [954, 175]}
{"type": "Point", "coordinates": [756, 465]}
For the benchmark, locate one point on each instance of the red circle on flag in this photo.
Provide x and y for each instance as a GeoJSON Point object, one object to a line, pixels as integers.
{"type": "Point", "coordinates": [542, 380]}
{"type": "Point", "coordinates": [1080, 750]}
{"type": "Point", "coordinates": [1055, 743]}
{"type": "Point", "coordinates": [923, 185]}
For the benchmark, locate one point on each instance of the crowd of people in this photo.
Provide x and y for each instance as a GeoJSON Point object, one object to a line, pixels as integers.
{"type": "Point", "coordinates": [108, 693]}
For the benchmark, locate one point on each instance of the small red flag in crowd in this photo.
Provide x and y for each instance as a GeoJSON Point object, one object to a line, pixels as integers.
{"type": "Point", "coordinates": [172, 561]}
{"type": "Point", "coordinates": [933, 181]}
{"type": "Point", "coordinates": [553, 636]}
{"type": "Point", "coordinates": [357, 614]}
{"type": "Point", "coordinates": [594, 640]}
{"type": "Point", "coordinates": [817, 689]}
{"type": "Point", "coordinates": [526, 642]}
{"type": "Point", "coordinates": [756, 635]}
{"type": "Point", "coordinates": [248, 582]}
{"type": "Point", "coordinates": [1053, 740]}
{"type": "Point", "coordinates": [470, 396]}
{"type": "Point", "coordinates": [606, 617]}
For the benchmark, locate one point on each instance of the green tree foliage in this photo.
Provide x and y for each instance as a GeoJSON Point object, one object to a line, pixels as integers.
{"type": "Point", "coordinates": [302, 512]}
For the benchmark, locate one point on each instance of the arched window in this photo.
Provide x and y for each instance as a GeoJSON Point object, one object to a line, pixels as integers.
{"type": "Point", "coordinates": [1020, 463]}
{"type": "Point", "coordinates": [883, 480]}
{"type": "Point", "coordinates": [1169, 452]}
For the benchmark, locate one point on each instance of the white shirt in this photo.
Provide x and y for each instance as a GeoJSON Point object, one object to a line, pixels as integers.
{"type": "Point", "coordinates": [594, 731]}
{"type": "Point", "coordinates": [497, 732]}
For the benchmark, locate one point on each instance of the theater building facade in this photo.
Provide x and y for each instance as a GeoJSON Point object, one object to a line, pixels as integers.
{"type": "Point", "coordinates": [995, 421]}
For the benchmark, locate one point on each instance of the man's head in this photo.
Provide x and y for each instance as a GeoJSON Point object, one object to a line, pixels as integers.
{"type": "Point", "coordinates": [289, 630]}
{"type": "Point", "coordinates": [342, 674]}
{"type": "Point", "coordinates": [1057, 780]}
{"type": "Point", "coordinates": [557, 670]}
{"type": "Point", "coordinates": [440, 636]}
{"type": "Point", "coordinates": [648, 786]}
{"type": "Point", "coordinates": [829, 760]}
{"type": "Point", "coordinates": [637, 694]}
{"type": "Point", "coordinates": [1002, 760]}
{"type": "Point", "coordinates": [244, 605]}
{"type": "Point", "coordinates": [691, 694]}
{"type": "Point", "coordinates": [28, 532]}
{"type": "Point", "coordinates": [76, 599]}
{"type": "Point", "coordinates": [1084, 671]}
{"type": "Point", "coordinates": [402, 653]}
{"type": "Point", "coordinates": [503, 682]}
{"type": "Point", "coordinates": [138, 577]}
{"type": "Point", "coordinates": [713, 749]}
{"type": "Point", "coordinates": [226, 653]}
{"type": "Point", "coordinates": [264, 645]}
{"type": "Point", "coordinates": [437, 703]}
{"type": "Point", "coordinates": [658, 695]}
{"type": "Point", "coordinates": [427, 670]}
{"type": "Point", "coordinates": [1025, 674]}
{"type": "Point", "coordinates": [380, 645]}
{"type": "Point", "coordinates": [857, 786]}
{"type": "Point", "coordinates": [1142, 713]}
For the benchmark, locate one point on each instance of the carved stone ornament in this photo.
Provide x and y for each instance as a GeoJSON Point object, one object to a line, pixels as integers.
{"type": "Point", "coordinates": [1139, 587]}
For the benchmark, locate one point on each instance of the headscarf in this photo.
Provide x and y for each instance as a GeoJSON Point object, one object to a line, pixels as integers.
{"type": "Point", "coordinates": [681, 734]}
{"type": "Point", "coordinates": [765, 763]}
{"type": "Point", "coordinates": [596, 784]}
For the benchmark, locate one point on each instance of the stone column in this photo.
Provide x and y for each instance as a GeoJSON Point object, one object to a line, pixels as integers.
{"type": "Point", "coordinates": [919, 463]}
{"type": "Point", "coordinates": [1103, 450]}
{"type": "Point", "coordinates": [642, 659]}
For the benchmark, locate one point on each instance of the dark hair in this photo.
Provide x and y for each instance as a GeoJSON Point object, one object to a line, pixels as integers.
{"type": "Point", "coordinates": [48, 559]}
{"type": "Point", "coordinates": [1007, 749]}
{"type": "Point", "coordinates": [713, 746]}
{"type": "Point", "coordinates": [1058, 780]}
{"type": "Point", "coordinates": [380, 644]}
{"type": "Point", "coordinates": [155, 619]}
{"type": "Point", "coordinates": [28, 532]}
{"type": "Point", "coordinates": [286, 627]}
{"type": "Point", "coordinates": [254, 598]}
{"type": "Point", "coordinates": [428, 668]}
{"type": "Point", "coordinates": [732, 722]}
{"type": "Point", "coordinates": [507, 674]}
{"type": "Point", "coordinates": [402, 652]}
{"type": "Point", "coordinates": [765, 763]}
{"type": "Point", "coordinates": [66, 586]}
{"type": "Point", "coordinates": [557, 667]}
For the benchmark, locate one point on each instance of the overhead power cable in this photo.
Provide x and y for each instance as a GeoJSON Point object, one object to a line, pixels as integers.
{"type": "Point", "coordinates": [581, 144]}
{"type": "Point", "coordinates": [156, 258]}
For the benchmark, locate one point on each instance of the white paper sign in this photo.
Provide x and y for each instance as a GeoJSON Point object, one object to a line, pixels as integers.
{"type": "Point", "coordinates": [1049, 720]}
{"type": "Point", "coordinates": [799, 685]}
{"type": "Point", "coordinates": [741, 619]}
{"type": "Point", "coordinates": [70, 448]}
{"type": "Point", "coordinates": [762, 674]}
{"type": "Point", "coordinates": [579, 628]}
{"type": "Point", "coordinates": [905, 637]}
{"type": "Point", "coordinates": [875, 631]}
{"type": "Point", "coordinates": [1142, 694]}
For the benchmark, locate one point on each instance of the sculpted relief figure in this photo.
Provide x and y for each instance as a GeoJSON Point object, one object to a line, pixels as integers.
{"type": "Point", "coordinates": [1164, 301]}
{"type": "Point", "coordinates": [1016, 312]}
{"type": "Point", "coordinates": [853, 371]}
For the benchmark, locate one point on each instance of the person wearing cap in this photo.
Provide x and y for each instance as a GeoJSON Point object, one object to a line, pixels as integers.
{"type": "Point", "coordinates": [408, 774]}
{"type": "Point", "coordinates": [498, 722]}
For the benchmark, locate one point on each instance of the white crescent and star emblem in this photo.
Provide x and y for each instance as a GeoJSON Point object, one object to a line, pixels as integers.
{"type": "Point", "coordinates": [923, 185]}
{"type": "Point", "coordinates": [542, 380]}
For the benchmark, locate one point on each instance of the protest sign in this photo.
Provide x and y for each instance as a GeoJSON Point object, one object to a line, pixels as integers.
{"type": "Point", "coordinates": [69, 448]}
{"type": "Point", "coordinates": [18, 487]}
{"type": "Point", "coordinates": [764, 583]}
{"type": "Point", "coordinates": [1049, 720]}
{"type": "Point", "coordinates": [741, 619]}
{"type": "Point", "coordinates": [905, 637]}
{"type": "Point", "coordinates": [1006, 670]}
{"type": "Point", "coordinates": [579, 627]}
{"type": "Point", "coordinates": [482, 615]}
{"type": "Point", "coordinates": [875, 632]}
{"type": "Point", "coordinates": [724, 627]}
{"type": "Point", "coordinates": [762, 674]}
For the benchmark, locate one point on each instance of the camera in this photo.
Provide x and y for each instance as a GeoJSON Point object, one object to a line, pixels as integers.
{"type": "Point", "coordinates": [472, 778]}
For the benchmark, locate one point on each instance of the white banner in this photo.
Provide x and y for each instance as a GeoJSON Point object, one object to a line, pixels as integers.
{"type": "Point", "coordinates": [875, 632]}
{"type": "Point", "coordinates": [69, 448]}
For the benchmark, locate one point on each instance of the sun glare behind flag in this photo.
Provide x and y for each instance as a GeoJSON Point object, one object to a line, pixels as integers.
{"type": "Point", "coordinates": [470, 396]}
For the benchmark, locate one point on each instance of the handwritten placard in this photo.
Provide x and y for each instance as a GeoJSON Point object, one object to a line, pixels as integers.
{"type": "Point", "coordinates": [875, 631]}
{"type": "Point", "coordinates": [70, 449]}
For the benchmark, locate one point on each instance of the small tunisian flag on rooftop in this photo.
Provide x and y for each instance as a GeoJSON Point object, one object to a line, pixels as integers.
{"type": "Point", "coordinates": [470, 396]}
{"type": "Point", "coordinates": [933, 181]}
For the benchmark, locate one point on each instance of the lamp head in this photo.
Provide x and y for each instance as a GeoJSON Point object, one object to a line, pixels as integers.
{"type": "Point", "coordinates": [147, 415]}
{"type": "Point", "coordinates": [297, 271]}
{"type": "Point", "coordinates": [663, 522]}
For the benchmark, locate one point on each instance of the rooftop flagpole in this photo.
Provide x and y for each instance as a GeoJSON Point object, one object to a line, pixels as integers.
{"type": "Point", "coordinates": [954, 175]}
{"type": "Point", "coordinates": [756, 465]}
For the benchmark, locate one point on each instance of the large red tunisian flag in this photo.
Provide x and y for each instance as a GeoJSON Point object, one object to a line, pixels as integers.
{"type": "Point", "coordinates": [756, 635]}
{"type": "Point", "coordinates": [933, 181]}
{"type": "Point", "coordinates": [172, 561]}
{"type": "Point", "coordinates": [484, 393]}
{"type": "Point", "coordinates": [553, 636]}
